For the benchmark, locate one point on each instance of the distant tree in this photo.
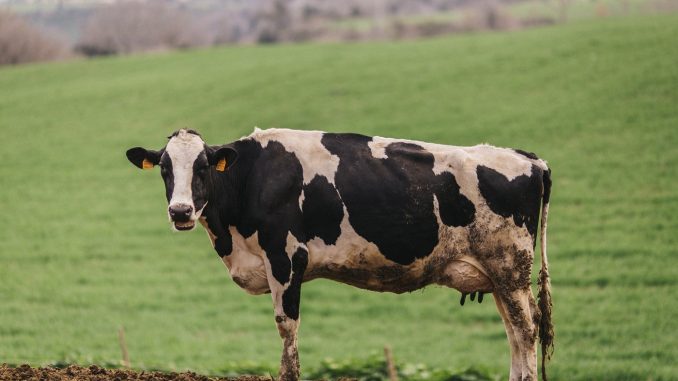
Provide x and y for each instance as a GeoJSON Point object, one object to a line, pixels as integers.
{"type": "Point", "coordinates": [21, 42]}
{"type": "Point", "coordinates": [273, 23]}
{"type": "Point", "coordinates": [129, 27]}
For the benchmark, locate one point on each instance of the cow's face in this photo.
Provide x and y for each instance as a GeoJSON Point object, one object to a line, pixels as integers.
{"type": "Point", "coordinates": [187, 167]}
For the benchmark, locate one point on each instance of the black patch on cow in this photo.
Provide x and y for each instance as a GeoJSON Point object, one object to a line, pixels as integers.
{"type": "Point", "coordinates": [291, 296]}
{"type": "Point", "coordinates": [167, 175]}
{"type": "Point", "coordinates": [529, 155]}
{"type": "Point", "coordinates": [259, 194]}
{"type": "Point", "coordinates": [224, 245]}
{"type": "Point", "coordinates": [390, 201]}
{"type": "Point", "coordinates": [322, 210]}
{"type": "Point", "coordinates": [280, 266]}
{"type": "Point", "coordinates": [547, 186]}
{"type": "Point", "coordinates": [272, 198]}
{"type": "Point", "coordinates": [519, 198]}
{"type": "Point", "coordinates": [455, 209]}
{"type": "Point", "coordinates": [228, 190]}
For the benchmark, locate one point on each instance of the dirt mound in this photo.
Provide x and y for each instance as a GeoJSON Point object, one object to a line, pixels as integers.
{"type": "Point", "coordinates": [95, 373]}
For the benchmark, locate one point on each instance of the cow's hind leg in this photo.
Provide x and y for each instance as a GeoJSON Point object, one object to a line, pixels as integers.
{"type": "Point", "coordinates": [519, 310]}
{"type": "Point", "coordinates": [516, 355]}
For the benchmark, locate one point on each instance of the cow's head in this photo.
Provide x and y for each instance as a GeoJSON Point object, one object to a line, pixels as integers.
{"type": "Point", "coordinates": [187, 166]}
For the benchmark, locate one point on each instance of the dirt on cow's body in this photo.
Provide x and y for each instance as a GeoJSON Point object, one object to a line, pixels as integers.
{"type": "Point", "coordinates": [96, 373]}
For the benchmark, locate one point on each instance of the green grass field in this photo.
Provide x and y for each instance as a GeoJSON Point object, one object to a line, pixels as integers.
{"type": "Point", "coordinates": [85, 246]}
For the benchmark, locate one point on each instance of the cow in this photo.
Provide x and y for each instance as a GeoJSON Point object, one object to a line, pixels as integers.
{"type": "Point", "coordinates": [282, 207]}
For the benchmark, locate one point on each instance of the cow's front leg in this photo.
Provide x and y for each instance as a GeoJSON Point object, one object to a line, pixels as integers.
{"type": "Point", "coordinates": [286, 292]}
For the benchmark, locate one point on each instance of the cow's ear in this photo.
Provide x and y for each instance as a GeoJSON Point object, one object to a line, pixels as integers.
{"type": "Point", "coordinates": [222, 157]}
{"type": "Point", "coordinates": [143, 158]}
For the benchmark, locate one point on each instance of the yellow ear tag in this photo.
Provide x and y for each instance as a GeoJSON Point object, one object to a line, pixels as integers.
{"type": "Point", "coordinates": [221, 165]}
{"type": "Point", "coordinates": [146, 164]}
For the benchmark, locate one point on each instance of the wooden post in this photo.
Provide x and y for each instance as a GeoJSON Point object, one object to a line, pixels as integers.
{"type": "Point", "coordinates": [390, 364]}
{"type": "Point", "coordinates": [123, 347]}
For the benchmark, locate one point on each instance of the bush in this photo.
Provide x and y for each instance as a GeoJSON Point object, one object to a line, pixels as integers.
{"type": "Point", "coordinates": [130, 27]}
{"type": "Point", "coordinates": [20, 42]}
{"type": "Point", "coordinates": [374, 368]}
{"type": "Point", "coordinates": [403, 30]}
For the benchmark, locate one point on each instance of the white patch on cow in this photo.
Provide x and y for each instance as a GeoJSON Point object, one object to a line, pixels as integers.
{"type": "Point", "coordinates": [378, 147]}
{"type": "Point", "coordinates": [302, 197]}
{"type": "Point", "coordinates": [455, 160]}
{"type": "Point", "coordinates": [461, 165]}
{"type": "Point", "coordinates": [183, 149]}
{"type": "Point", "coordinates": [292, 244]}
{"type": "Point", "coordinates": [277, 288]}
{"type": "Point", "coordinates": [246, 263]}
{"type": "Point", "coordinates": [462, 162]}
{"type": "Point", "coordinates": [307, 146]}
{"type": "Point", "coordinates": [210, 234]}
{"type": "Point", "coordinates": [503, 160]}
{"type": "Point", "coordinates": [347, 247]}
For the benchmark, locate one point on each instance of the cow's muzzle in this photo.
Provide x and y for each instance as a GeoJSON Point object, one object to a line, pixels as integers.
{"type": "Point", "coordinates": [181, 214]}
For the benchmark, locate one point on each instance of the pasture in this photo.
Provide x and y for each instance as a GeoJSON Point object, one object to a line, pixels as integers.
{"type": "Point", "coordinates": [86, 248]}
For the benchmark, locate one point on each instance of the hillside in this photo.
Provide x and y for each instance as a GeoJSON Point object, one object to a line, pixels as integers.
{"type": "Point", "coordinates": [86, 247]}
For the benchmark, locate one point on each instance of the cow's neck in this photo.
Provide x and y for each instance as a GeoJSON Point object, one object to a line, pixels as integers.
{"type": "Point", "coordinates": [223, 197]}
{"type": "Point", "coordinates": [226, 189]}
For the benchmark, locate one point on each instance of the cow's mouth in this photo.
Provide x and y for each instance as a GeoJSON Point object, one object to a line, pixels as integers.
{"type": "Point", "coordinates": [183, 226]}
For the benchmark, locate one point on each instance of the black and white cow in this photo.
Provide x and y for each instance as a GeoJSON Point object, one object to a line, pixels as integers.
{"type": "Point", "coordinates": [282, 207]}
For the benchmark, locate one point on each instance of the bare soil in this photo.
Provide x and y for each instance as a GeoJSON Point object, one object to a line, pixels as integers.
{"type": "Point", "coordinates": [96, 373]}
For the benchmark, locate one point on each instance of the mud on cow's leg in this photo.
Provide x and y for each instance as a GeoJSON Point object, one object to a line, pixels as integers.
{"type": "Point", "coordinates": [518, 306]}
{"type": "Point", "coordinates": [286, 301]}
{"type": "Point", "coordinates": [516, 355]}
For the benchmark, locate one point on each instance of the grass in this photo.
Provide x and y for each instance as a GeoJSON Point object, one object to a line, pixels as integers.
{"type": "Point", "coordinates": [85, 247]}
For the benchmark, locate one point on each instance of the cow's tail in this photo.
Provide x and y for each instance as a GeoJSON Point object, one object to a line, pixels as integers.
{"type": "Point", "coordinates": [545, 324]}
